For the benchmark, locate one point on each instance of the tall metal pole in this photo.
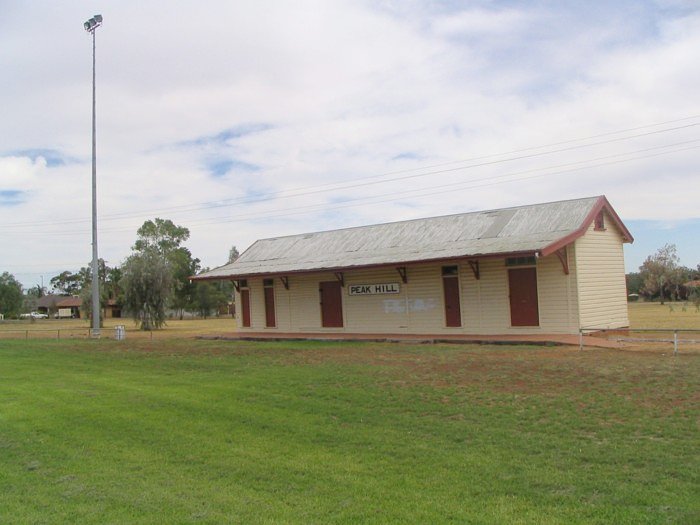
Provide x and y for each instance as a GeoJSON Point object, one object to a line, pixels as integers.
{"type": "Point", "coordinates": [91, 25]}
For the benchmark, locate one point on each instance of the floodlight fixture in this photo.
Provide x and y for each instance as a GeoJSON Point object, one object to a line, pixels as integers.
{"type": "Point", "coordinates": [93, 23]}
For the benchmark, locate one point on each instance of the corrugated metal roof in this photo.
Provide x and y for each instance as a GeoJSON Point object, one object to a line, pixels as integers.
{"type": "Point", "coordinates": [477, 234]}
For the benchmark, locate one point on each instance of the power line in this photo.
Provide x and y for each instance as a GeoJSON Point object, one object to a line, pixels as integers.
{"type": "Point", "coordinates": [336, 186]}
{"type": "Point", "coordinates": [485, 181]}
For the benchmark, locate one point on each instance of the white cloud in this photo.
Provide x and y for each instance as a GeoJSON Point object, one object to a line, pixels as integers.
{"type": "Point", "coordinates": [340, 91]}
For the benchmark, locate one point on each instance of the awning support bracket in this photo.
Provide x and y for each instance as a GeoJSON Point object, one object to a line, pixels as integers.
{"type": "Point", "coordinates": [561, 253]}
{"type": "Point", "coordinates": [341, 278]}
{"type": "Point", "coordinates": [402, 273]}
{"type": "Point", "coordinates": [285, 281]}
{"type": "Point", "coordinates": [237, 285]}
{"type": "Point", "coordinates": [475, 268]}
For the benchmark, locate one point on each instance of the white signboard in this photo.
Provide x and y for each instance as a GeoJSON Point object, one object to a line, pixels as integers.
{"type": "Point", "coordinates": [373, 289]}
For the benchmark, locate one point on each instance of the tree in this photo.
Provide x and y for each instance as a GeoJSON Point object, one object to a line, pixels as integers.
{"type": "Point", "coordinates": [183, 266]}
{"type": "Point", "coordinates": [112, 284]}
{"type": "Point", "coordinates": [11, 296]}
{"type": "Point", "coordinates": [634, 282]}
{"type": "Point", "coordinates": [164, 237]}
{"type": "Point", "coordinates": [160, 234]}
{"type": "Point", "coordinates": [37, 291]}
{"type": "Point", "coordinates": [67, 283]}
{"type": "Point", "coordinates": [660, 273]}
{"type": "Point", "coordinates": [207, 298]}
{"type": "Point", "coordinates": [146, 282]}
{"type": "Point", "coordinates": [233, 254]}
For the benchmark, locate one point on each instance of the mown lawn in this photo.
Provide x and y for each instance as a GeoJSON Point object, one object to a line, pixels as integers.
{"type": "Point", "coordinates": [189, 431]}
{"type": "Point", "coordinates": [680, 315]}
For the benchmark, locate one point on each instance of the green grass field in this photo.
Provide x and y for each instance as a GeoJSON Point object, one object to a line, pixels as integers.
{"type": "Point", "coordinates": [185, 431]}
{"type": "Point", "coordinates": [683, 316]}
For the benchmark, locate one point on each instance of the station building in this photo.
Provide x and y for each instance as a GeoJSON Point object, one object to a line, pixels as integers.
{"type": "Point", "coordinates": [550, 268]}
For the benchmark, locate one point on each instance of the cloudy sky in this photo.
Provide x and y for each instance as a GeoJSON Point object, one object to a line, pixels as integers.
{"type": "Point", "coordinates": [244, 120]}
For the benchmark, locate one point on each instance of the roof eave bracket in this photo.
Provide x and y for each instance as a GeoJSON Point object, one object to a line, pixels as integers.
{"type": "Point", "coordinates": [474, 264]}
{"type": "Point", "coordinates": [341, 278]}
{"type": "Point", "coordinates": [564, 259]}
{"type": "Point", "coordinates": [402, 273]}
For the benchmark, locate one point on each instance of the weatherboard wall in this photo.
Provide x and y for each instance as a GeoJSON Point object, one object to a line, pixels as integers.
{"type": "Point", "coordinates": [602, 295]}
{"type": "Point", "coordinates": [418, 308]}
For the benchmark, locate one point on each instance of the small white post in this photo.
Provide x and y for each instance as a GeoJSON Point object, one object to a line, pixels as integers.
{"type": "Point", "coordinates": [675, 342]}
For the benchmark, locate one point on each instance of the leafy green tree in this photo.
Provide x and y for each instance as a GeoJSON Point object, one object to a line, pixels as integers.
{"type": "Point", "coordinates": [183, 266]}
{"type": "Point", "coordinates": [165, 238]}
{"type": "Point", "coordinates": [160, 234]}
{"type": "Point", "coordinates": [37, 291]}
{"type": "Point", "coordinates": [11, 296]}
{"type": "Point", "coordinates": [67, 283]}
{"type": "Point", "coordinates": [660, 273]}
{"type": "Point", "coordinates": [147, 284]}
{"type": "Point", "coordinates": [112, 285]}
{"type": "Point", "coordinates": [208, 298]}
{"type": "Point", "coordinates": [634, 282]}
{"type": "Point", "coordinates": [233, 255]}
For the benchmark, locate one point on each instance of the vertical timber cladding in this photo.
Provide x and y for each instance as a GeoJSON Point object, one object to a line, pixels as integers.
{"type": "Point", "coordinates": [524, 307]}
{"type": "Point", "coordinates": [450, 286]}
{"type": "Point", "coordinates": [269, 289]}
{"type": "Point", "coordinates": [331, 304]}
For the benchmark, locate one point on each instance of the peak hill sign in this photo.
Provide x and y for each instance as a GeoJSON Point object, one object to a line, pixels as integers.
{"type": "Point", "coordinates": [374, 289]}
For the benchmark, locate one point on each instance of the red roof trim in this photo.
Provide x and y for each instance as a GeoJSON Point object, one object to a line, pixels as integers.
{"type": "Point", "coordinates": [601, 204]}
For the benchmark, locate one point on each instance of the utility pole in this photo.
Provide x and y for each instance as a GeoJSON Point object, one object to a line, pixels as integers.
{"type": "Point", "coordinates": [90, 26]}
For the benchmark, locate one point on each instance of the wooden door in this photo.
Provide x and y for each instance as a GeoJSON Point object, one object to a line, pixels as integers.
{"type": "Point", "coordinates": [270, 321]}
{"type": "Point", "coordinates": [331, 304]}
{"type": "Point", "coordinates": [245, 306]}
{"type": "Point", "coordinates": [453, 312]}
{"type": "Point", "coordinates": [524, 308]}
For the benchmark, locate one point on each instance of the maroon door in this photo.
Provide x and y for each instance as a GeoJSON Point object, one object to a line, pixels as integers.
{"type": "Point", "coordinates": [270, 307]}
{"type": "Point", "coordinates": [245, 306]}
{"type": "Point", "coordinates": [331, 304]}
{"type": "Point", "coordinates": [453, 312]}
{"type": "Point", "coordinates": [524, 309]}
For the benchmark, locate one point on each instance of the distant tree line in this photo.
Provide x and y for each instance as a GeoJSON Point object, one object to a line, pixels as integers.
{"type": "Point", "coordinates": [662, 278]}
{"type": "Point", "coordinates": [152, 284]}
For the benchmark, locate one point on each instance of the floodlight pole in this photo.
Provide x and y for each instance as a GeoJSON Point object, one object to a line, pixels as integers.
{"type": "Point", "coordinates": [90, 26]}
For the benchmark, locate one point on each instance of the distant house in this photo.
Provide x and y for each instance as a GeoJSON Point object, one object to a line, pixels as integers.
{"type": "Point", "coordinates": [75, 303]}
{"type": "Point", "coordinates": [544, 268]}
{"type": "Point", "coordinates": [71, 303]}
{"type": "Point", "coordinates": [47, 303]}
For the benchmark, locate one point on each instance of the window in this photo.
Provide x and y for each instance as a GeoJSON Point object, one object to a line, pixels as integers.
{"type": "Point", "coordinates": [520, 261]}
{"type": "Point", "coordinates": [243, 283]}
{"type": "Point", "coordinates": [449, 270]}
{"type": "Point", "coordinates": [599, 224]}
{"type": "Point", "coordinates": [268, 282]}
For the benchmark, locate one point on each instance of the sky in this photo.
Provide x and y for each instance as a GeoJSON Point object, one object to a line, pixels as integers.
{"type": "Point", "coordinates": [247, 120]}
